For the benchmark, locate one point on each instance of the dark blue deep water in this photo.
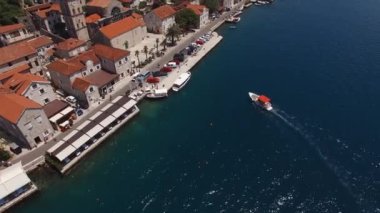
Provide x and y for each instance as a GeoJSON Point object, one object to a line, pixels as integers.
{"type": "Point", "coordinates": [208, 149]}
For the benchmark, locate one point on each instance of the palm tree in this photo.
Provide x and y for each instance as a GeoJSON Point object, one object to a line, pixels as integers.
{"type": "Point", "coordinates": [164, 43]}
{"type": "Point", "coordinates": [145, 50]}
{"type": "Point", "coordinates": [157, 42]}
{"type": "Point", "coordinates": [137, 53]}
{"type": "Point", "coordinates": [173, 32]}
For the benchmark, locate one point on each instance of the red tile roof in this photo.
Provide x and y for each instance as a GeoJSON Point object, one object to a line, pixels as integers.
{"type": "Point", "coordinates": [73, 65]}
{"type": "Point", "coordinates": [11, 28]}
{"type": "Point", "coordinates": [40, 41]}
{"type": "Point", "coordinates": [164, 12]}
{"type": "Point", "coordinates": [81, 84]}
{"type": "Point", "coordinates": [110, 53]}
{"type": "Point", "coordinates": [70, 44]}
{"type": "Point", "coordinates": [120, 27]}
{"type": "Point", "coordinates": [13, 106]}
{"type": "Point", "coordinates": [15, 51]}
{"type": "Point", "coordinates": [99, 3]}
{"type": "Point", "coordinates": [64, 67]}
{"type": "Point", "coordinates": [93, 18]}
{"type": "Point", "coordinates": [19, 69]}
{"type": "Point", "coordinates": [197, 9]}
{"type": "Point", "coordinates": [38, 7]}
{"type": "Point", "coordinates": [19, 83]}
{"type": "Point", "coordinates": [43, 12]}
{"type": "Point", "coordinates": [136, 15]}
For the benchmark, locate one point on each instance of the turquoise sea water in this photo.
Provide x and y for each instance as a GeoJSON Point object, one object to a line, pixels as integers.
{"type": "Point", "coordinates": [208, 149]}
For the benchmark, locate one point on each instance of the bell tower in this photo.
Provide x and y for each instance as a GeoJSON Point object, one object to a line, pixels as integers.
{"type": "Point", "coordinates": [72, 11]}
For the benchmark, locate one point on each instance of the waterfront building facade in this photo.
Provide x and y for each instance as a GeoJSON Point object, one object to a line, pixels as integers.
{"type": "Point", "coordinates": [160, 19]}
{"type": "Point", "coordinates": [24, 119]}
{"type": "Point", "coordinates": [202, 12]}
{"type": "Point", "coordinates": [123, 34]}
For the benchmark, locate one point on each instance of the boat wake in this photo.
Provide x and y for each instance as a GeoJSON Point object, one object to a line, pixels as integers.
{"type": "Point", "coordinates": [358, 186]}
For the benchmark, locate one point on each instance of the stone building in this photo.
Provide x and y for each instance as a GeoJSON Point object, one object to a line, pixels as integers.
{"type": "Point", "coordinates": [72, 11]}
{"type": "Point", "coordinates": [160, 19]}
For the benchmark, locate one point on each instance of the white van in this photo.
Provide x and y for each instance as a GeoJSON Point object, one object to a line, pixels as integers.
{"type": "Point", "coordinates": [171, 64]}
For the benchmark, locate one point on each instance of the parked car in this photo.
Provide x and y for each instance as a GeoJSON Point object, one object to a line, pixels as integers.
{"type": "Point", "coordinates": [171, 65]}
{"type": "Point", "coordinates": [179, 57]}
{"type": "Point", "coordinates": [79, 112]}
{"type": "Point", "coordinates": [15, 148]}
{"type": "Point", "coordinates": [71, 100]}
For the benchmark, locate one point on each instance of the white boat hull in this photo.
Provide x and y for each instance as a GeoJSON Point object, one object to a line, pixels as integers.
{"type": "Point", "coordinates": [255, 98]}
{"type": "Point", "coordinates": [177, 88]}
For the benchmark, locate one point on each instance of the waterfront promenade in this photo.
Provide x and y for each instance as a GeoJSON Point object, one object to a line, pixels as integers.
{"type": "Point", "coordinates": [36, 156]}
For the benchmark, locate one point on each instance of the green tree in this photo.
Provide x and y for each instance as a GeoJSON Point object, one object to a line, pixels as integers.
{"type": "Point", "coordinates": [157, 42]}
{"type": "Point", "coordinates": [213, 5]}
{"type": "Point", "coordinates": [137, 53]}
{"type": "Point", "coordinates": [126, 44]}
{"type": "Point", "coordinates": [145, 50]}
{"type": "Point", "coordinates": [186, 19]}
{"type": "Point", "coordinates": [9, 10]}
{"type": "Point", "coordinates": [173, 32]}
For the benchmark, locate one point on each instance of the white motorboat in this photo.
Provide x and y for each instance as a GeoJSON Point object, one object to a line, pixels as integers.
{"type": "Point", "coordinates": [248, 5]}
{"type": "Point", "coordinates": [233, 19]}
{"type": "Point", "coordinates": [261, 100]}
{"type": "Point", "coordinates": [181, 81]}
{"type": "Point", "coordinates": [158, 93]}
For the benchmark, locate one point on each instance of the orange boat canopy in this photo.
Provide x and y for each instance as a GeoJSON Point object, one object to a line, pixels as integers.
{"type": "Point", "coordinates": [264, 99]}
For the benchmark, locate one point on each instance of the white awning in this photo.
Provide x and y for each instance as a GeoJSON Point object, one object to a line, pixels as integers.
{"type": "Point", "coordinates": [82, 140]}
{"type": "Point", "coordinates": [107, 121]}
{"type": "Point", "coordinates": [129, 104]}
{"type": "Point", "coordinates": [119, 112]}
{"type": "Point", "coordinates": [84, 124]}
{"type": "Point", "coordinates": [106, 107]}
{"type": "Point", "coordinates": [67, 110]}
{"type": "Point", "coordinates": [11, 179]}
{"type": "Point", "coordinates": [65, 153]}
{"type": "Point", "coordinates": [94, 131]}
{"type": "Point", "coordinates": [53, 148]}
{"type": "Point", "coordinates": [95, 116]}
{"type": "Point", "coordinates": [56, 117]}
{"type": "Point", "coordinates": [117, 99]}
{"type": "Point", "coordinates": [65, 123]}
{"type": "Point", "coordinates": [72, 133]}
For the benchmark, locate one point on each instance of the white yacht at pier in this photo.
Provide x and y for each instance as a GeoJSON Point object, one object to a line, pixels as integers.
{"type": "Point", "coordinates": [181, 81]}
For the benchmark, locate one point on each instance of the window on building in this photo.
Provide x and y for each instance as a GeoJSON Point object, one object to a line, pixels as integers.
{"type": "Point", "coordinates": [120, 62]}
{"type": "Point", "coordinates": [84, 73]}
{"type": "Point", "coordinates": [42, 91]}
{"type": "Point", "coordinates": [46, 132]}
{"type": "Point", "coordinates": [10, 64]}
{"type": "Point", "coordinates": [24, 31]}
{"type": "Point", "coordinates": [39, 119]}
{"type": "Point", "coordinates": [91, 89]}
{"type": "Point", "coordinates": [36, 62]}
{"type": "Point", "coordinates": [73, 11]}
{"type": "Point", "coordinates": [34, 86]}
{"type": "Point", "coordinates": [15, 34]}
{"type": "Point", "coordinates": [122, 75]}
{"type": "Point", "coordinates": [91, 70]}
{"type": "Point", "coordinates": [26, 58]}
{"type": "Point", "coordinates": [46, 100]}
{"type": "Point", "coordinates": [126, 58]}
{"type": "Point", "coordinates": [29, 125]}
{"type": "Point", "coordinates": [98, 67]}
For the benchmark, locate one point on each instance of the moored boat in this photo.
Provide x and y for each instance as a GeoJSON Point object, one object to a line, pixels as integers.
{"type": "Point", "coordinates": [248, 5]}
{"type": "Point", "coordinates": [233, 19]}
{"type": "Point", "coordinates": [158, 93]}
{"type": "Point", "coordinates": [181, 81]}
{"type": "Point", "coordinates": [261, 100]}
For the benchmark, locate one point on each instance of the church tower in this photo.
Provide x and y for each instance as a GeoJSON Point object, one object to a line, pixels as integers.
{"type": "Point", "coordinates": [72, 11]}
